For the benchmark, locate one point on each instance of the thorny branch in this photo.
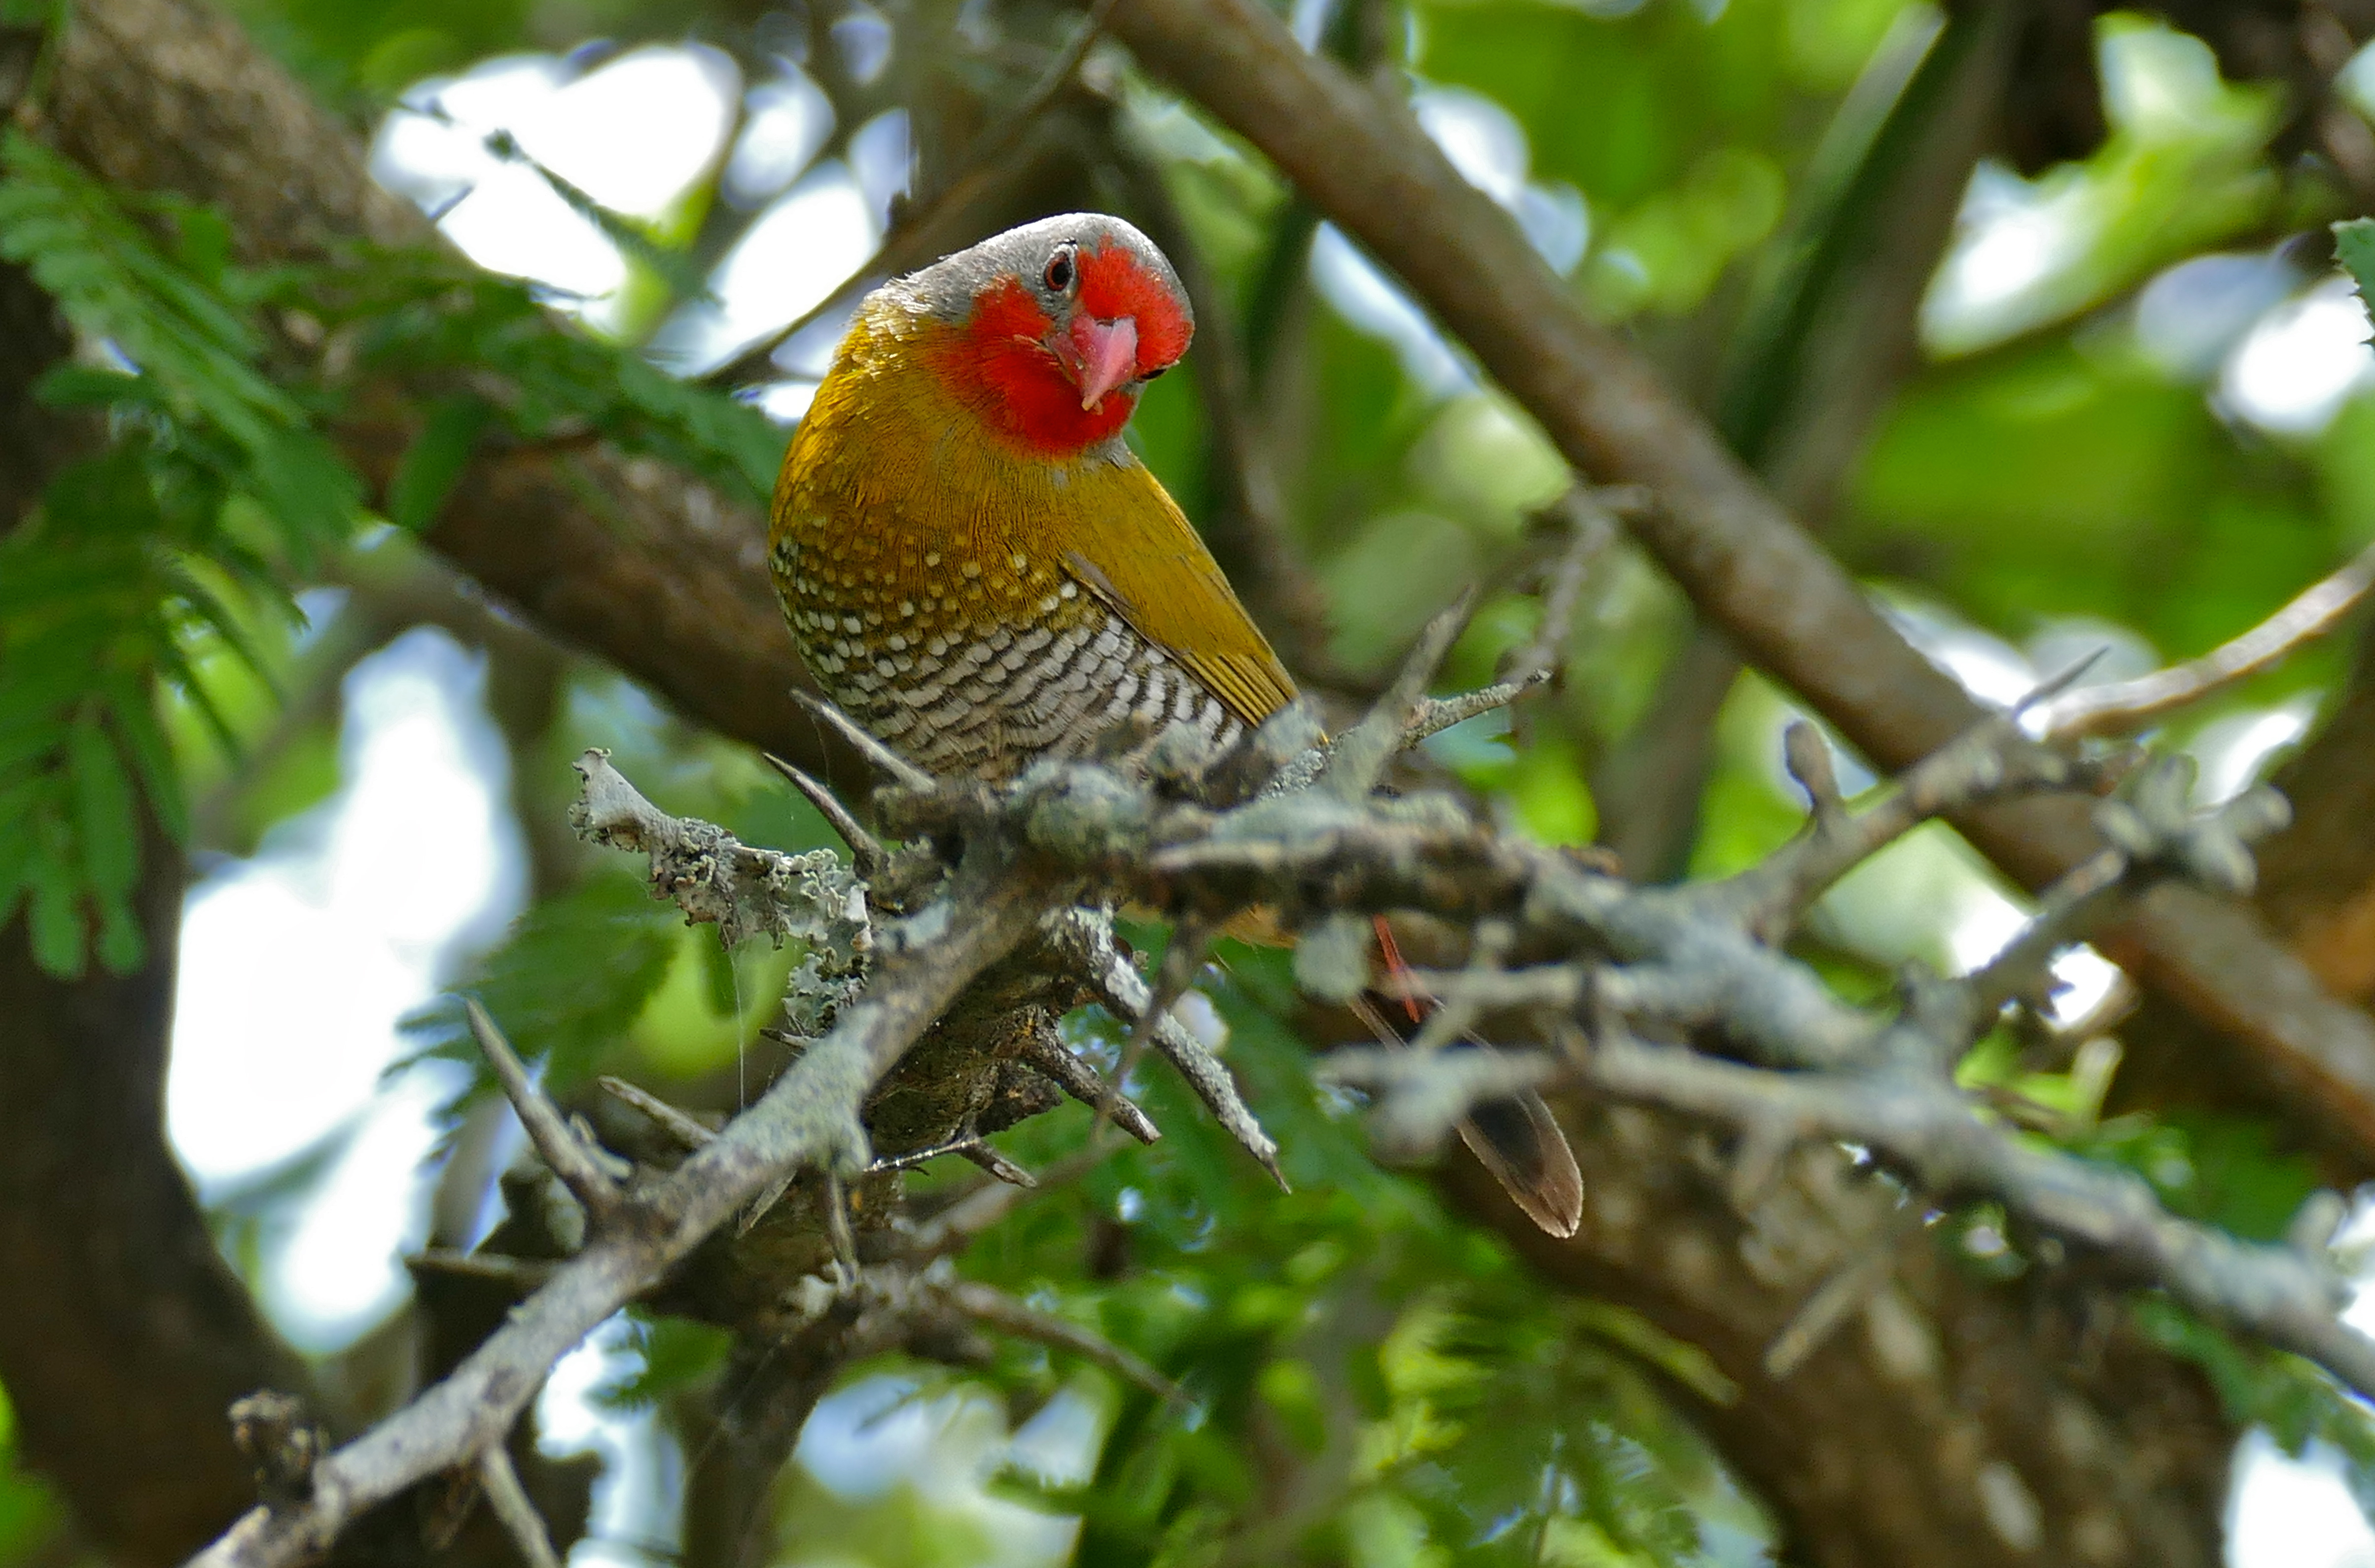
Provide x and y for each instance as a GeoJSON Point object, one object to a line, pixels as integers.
{"type": "Point", "coordinates": [1679, 997]}
{"type": "Point", "coordinates": [1589, 517]}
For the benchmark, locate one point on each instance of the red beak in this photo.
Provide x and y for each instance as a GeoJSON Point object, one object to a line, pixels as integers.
{"type": "Point", "coordinates": [1101, 355]}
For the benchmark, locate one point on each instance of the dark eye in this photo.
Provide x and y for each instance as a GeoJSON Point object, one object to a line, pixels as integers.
{"type": "Point", "coordinates": [1059, 271]}
{"type": "Point", "coordinates": [1155, 373]}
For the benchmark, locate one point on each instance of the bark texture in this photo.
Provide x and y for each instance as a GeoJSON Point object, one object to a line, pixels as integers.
{"type": "Point", "coordinates": [1942, 1421]}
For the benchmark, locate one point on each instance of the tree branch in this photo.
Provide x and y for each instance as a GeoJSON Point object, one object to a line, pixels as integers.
{"type": "Point", "coordinates": [121, 1362]}
{"type": "Point", "coordinates": [2124, 707]}
{"type": "Point", "coordinates": [510, 1500]}
{"type": "Point", "coordinates": [655, 572]}
{"type": "Point", "coordinates": [1360, 156]}
{"type": "Point", "coordinates": [1664, 962]}
{"type": "Point", "coordinates": [2025, 1424]}
{"type": "Point", "coordinates": [563, 1152]}
{"type": "Point", "coordinates": [808, 1119]}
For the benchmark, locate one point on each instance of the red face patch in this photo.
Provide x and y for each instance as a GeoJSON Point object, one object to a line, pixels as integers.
{"type": "Point", "coordinates": [1003, 367]}
{"type": "Point", "coordinates": [1114, 285]}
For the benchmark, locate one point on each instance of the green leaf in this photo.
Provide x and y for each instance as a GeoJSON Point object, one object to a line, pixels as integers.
{"type": "Point", "coordinates": [152, 758]}
{"type": "Point", "coordinates": [72, 385]}
{"type": "Point", "coordinates": [435, 460]}
{"type": "Point", "coordinates": [104, 818]}
{"type": "Point", "coordinates": [121, 947]}
{"type": "Point", "coordinates": [2294, 1399]}
{"type": "Point", "coordinates": [55, 924]}
{"type": "Point", "coordinates": [676, 1354]}
{"type": "Point", "coordinates": [2354, 247]}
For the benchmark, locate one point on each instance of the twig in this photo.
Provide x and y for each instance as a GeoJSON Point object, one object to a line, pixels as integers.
{"type": "Point", "coordinates": [969, 1147]}
{"type": "Point", "coordinates": [808, 1117]}
{"type": "Point", "coordinates": [1182, 958]}
{"type": "Point", "coordinates": [687, 1131]}
{"type": "Point", "coordinates": [1000, 1167]}
{"type": "Point", "coordinates": [865, 853]}
{"type": "Point", "coordinates": [1002, 1311]}
{"type": "Point", "coordinates": [1081, 1081]}
{"type": "Point", "coordinates": [896, 768]}
{"type": "Point", "coordinates": [521, 1274]}
{"type": "Point", "coordinates": [2122, 707]}
{"type": "Point", "coordinates": [512, 1505]}
{"type": "Point", "coordinates": [1422, 1098]}
{"type": "Point", "coordinates": [1436, 714]}
{"type": "Point", "coordinates": [556, 1141]}
{"type": "Point", "coordinates": [1361, 159]}
{"type": "Point", "coordinates": [1848, 1288]}
{"type": "Point", "coordinates": [1461, 995]}
{"type": "Point", "coordinates": [1086, 940]}
{"type": "Point", "coordinates": [1677, 962]}
{"type": "Point", "coordinates": [2279, 1293]}
{"type": "Point", "coordinates": [1561, 988]}
{"type": "Point", "coordinates": [836, 1221]}
{"type": "Point", "coordinates": [1358, 759]}
{"type": "Point", "coordinates": [1592, 527]}
{"type": "Point", "coordinates": [2065, 907]}
{"type": "Point", "coordinates": [954, 1227]}
{"type": "Point", "coordinates": [902, 247]}
{"type": "Point", "coordinates": [1990, 761]}
{"type": "Point", "coordinates": [718, 879]}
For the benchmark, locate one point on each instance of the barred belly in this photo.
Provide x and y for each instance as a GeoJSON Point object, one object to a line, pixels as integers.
{"type": "Point", "coordinates": [993, 700]}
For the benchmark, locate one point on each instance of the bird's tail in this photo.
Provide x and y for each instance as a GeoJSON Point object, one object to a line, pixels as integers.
{"type": "Point", "coordinates": [1515, 1136]}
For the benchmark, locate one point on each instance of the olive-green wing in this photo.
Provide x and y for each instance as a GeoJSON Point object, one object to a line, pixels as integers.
{"type": "Point", "coordinates": [1136, 550]}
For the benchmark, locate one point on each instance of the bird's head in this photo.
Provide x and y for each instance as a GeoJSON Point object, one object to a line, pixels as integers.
{"type": "Point", "coordinates": [1056, 326]}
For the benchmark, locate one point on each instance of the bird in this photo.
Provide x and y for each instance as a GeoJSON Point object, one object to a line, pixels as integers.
{"type": "Point", "coordinates": [974, 564]}
{"type": "Point", "coordinates": [976, 568]}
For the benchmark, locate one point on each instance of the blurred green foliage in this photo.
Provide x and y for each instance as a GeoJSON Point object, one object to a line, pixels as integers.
{"type": "Point", "coordinates": [217, 491]}
{"type": "Point", "coordinates": [29, 1515]}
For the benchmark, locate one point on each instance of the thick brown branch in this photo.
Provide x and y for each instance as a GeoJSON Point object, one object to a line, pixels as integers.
{"type": "Point", "coordinates": [129, 1338]}
{"type": "Point", "coordinates": [2024, 1424]}
{"type": "Point", "coordinates": [650, 570]}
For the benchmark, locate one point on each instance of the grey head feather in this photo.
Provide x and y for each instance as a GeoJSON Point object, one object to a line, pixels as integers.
{"type": "Point", "coordinates": [949, 287]}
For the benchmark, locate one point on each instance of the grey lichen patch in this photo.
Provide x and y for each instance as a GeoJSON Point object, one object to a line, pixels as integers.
{"type": "Point", "coordinates": [719, 880]}
{"type": "Point", "coordinates": [746, 892]}
{"type": "Point", "coordinates": [1083, 814]}
{"type": "Point", "coordinates": [1331, 961]}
